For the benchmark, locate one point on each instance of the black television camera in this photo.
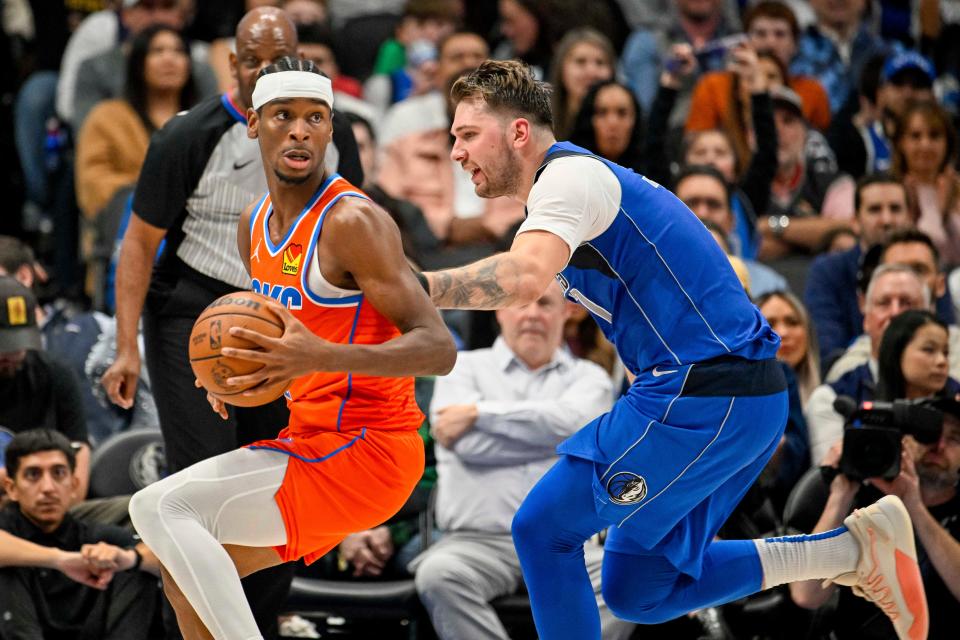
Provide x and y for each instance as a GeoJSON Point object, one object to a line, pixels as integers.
{"type": "Point", "coordinates": [872, 433]}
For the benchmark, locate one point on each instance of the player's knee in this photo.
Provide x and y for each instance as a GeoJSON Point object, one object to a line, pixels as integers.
{"type": "Point", "coordinates": [527, 526]}
{"type": "Point", "coordinates": [627, 602]}
{"type": "Point", "coordinates": [439, 577]}
{"type": "Point", "coordinates": [145, 511]}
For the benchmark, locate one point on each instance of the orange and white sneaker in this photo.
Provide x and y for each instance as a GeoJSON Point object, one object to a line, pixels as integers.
{"type": "Point", "coordinates": [887, 573]}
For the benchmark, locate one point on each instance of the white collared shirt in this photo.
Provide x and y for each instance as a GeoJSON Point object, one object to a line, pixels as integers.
{"type": "Point", "coordinates": [522, 416]}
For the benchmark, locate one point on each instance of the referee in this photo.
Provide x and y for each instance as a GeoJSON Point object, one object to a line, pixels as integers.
{"type": "Point", "coordinates": [200, 172]}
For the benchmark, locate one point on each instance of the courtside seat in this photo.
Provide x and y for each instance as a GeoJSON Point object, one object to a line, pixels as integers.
{"type": "Point", "coordinates": [126, 462]}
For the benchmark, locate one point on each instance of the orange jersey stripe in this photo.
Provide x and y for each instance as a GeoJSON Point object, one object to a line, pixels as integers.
{"type": "Point", "coordinates": [290, 273]}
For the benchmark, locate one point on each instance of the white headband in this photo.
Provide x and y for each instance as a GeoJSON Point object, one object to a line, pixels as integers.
{"type": "Point", "coordinates": [292, 84]}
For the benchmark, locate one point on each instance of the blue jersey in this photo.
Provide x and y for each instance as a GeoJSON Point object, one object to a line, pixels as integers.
{"type": "Point", "coordinates": [658, 284]}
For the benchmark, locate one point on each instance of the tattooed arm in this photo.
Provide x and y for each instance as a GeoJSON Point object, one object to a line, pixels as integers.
{"type": "Point", "coordinates": [516, 277]}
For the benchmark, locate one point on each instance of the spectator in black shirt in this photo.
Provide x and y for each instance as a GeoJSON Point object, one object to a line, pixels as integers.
{"type": "Point", "coordinates": [37, 391]}
{"type": "Point", "coordinates": [103, 588]}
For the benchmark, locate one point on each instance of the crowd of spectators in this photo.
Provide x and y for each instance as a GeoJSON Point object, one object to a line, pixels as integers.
{"type": "Point", "coordinates": [816, 140]}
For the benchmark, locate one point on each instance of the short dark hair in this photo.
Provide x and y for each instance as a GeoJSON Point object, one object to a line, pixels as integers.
{"type": "Point", "coordinates": [315, 33]}
{"type": "Point", "coordinates": [507, 85]}
{"type": "Point", "coordinates": [15, 253]}
{"type": "Point", "coordinates": [904, 236]}
{"type": "Point", "coordinates": [881, 177]}
{"type": "Point", "coordinates": [891, 383]}
{"type": "Point", "coordinates": [773, 10]}
{"type": "Point", "coordinates": [704, 170]}
{"type": "Point", "coordinates": [33, 441]}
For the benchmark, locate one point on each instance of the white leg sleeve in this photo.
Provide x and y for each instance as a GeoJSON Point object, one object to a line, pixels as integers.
{"type": "Point", "coordinates": [186, 518]}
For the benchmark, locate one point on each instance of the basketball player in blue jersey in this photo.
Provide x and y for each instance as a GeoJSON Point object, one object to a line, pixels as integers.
{"type": "Point", "coordinates": [707, 409]}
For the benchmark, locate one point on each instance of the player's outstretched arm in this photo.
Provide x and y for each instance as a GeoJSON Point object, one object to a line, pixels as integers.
{"type": "Point", "coordinates": [516, 277]}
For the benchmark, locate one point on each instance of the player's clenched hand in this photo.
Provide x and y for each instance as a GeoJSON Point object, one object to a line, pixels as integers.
{"type": "Point", "coordinates": [103, 556]}
{"type": "Point", "coordinates": [297, 352]}
{"type": "Point", "coordinates": [368, 551]}
{"type": "Point", "coordinates": [75, 566]}
{"type": "Point", "coordinates": [218, 406]}
{"type": "Point", "coordinates": [120, 380]}
{"type": "Point", "coordinates": [452, 422]}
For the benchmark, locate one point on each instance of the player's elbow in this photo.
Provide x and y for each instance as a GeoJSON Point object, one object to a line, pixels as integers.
{"type": "Point", "coordinates": [530, 286]}
{"type": "Point", "coordinates": [446, 354]}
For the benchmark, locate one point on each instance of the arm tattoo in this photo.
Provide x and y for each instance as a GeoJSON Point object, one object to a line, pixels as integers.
{"type": "Point", "coordinates": [491, 283]}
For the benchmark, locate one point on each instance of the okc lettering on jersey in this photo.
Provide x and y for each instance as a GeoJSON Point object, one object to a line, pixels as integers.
{"type": "Point", "coordinates": [287, 296]}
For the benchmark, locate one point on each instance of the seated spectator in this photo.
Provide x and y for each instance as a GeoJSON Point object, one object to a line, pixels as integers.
{"type": "Point", "coordinates": [497, 419]}
{"type": "Point", "coordinates": [84, 342]}
{"type": "Point", "coordinates": [924, 153]}
{"type": "Point", "coordinates": [609, 124]}
{"type": "Point", "coordinates": [893, 289]}
{"type": "Point", "coordinates": [862, 139]}
{"type": "Point", "coordinates": [583, 56]}
{"type": "Point", "coordinates": [316, 43]}
{"type": "Point", "coordinates": [723, 99]}
{"type": "Point", "coordinates": [703, 189]}
{"type": "Point", "coordinates": [880, 208]}
{"type": "Point", "coordinates": [916, 250]}
{"type": "Point", "coordinates": [752, 175]}
{"type": "Point", "coordinates": [798, 343]}
{"type": "Point", "coordinates": [101, 31]}
{"type": "Point", "coordinates": [526, 34]}
{"type": "Point", "coordinates": [416, 164]}
{"type": "Point", "coordinates": [772, 26]}
{"type": "Point", "coordinates": [113, 140]}
{"type": "Point", "coordinates": [102, 76]}
{"type": "Point", "coordinates": [805, 185]}
{"type": "Point", "coordinates": [927, 484]}
{"type": "Point", "coordinates": [836, 47]}
{"type": "Point", "coordinates": [646, 53]}
{"type": "Point", "coordinates": [106, 582]}
{"type": "Point", "coordinates": [406, 64]}
{"type": "Point", "coordinates": [37, 391]}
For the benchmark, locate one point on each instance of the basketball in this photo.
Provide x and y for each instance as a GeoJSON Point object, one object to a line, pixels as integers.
{"type": "Point", "coordinates": [211, 332]}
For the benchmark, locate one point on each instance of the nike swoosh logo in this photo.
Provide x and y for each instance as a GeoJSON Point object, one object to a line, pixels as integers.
{"type": "Point", "coordinates": [657, 373]}
{"type": "Point", "coordinates": [238, 165]}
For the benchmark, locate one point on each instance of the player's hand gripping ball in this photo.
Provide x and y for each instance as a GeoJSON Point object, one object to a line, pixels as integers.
{"type": "Point", "coordinates": [211, 333]}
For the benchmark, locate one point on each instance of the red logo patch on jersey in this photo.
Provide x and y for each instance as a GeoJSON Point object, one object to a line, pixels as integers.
{"type": "Point", "coordinates": [291, 259]}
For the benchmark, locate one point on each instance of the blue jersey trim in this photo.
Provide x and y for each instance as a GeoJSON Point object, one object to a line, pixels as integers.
{"type": "Point", "coordinates": [274, 250]}
{"type": "Point", "coordinates": [833, 533]}
{"type": "Point", "coordinates": [353, 330]}
{"type": "Point", "coordinates": [675, 279]}
{"type": "Point", "coordinates": [345, 301]}
{"type": "Point", "coordinates": [231, 109]}
{"type": "Point", "coordinates": [626, 288]}
{"type": "Point", "coordinates": [363, 432]}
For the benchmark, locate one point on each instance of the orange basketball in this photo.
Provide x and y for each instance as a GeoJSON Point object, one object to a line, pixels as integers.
{"type": "Point", "coordinates": [211, 332]}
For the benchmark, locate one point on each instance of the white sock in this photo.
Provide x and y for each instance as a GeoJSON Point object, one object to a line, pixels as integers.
{"type": "Point", "coordinates": [820, 556]}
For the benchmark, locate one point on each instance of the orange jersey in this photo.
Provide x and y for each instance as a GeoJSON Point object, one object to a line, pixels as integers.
{"type": "Point", "coordinates": [290, 273]}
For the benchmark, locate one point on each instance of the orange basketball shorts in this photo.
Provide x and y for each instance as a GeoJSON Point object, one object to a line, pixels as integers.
{"type": "Point", "coordinates": [341, 482]}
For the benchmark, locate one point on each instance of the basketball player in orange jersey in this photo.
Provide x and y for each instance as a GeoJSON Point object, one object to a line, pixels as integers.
{"type": "Point", "coordinates": [357, 326]}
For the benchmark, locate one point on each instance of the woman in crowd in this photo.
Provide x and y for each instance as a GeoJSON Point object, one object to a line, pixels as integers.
{"type": "Point", "coordinates": [584, 56]}
{"type": "Point", "coordinates": [924, 153]}
{"type": "Point", "coordinates": [722, 99]}
{"type": "Point", "coordinates": [114, 138]}
{"type": "Point", "coordinates": [789, 318]}
{"type": "Point", "coordinates": [914, 358]}
{"type": "Point", "coordinates": [608, 124]}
